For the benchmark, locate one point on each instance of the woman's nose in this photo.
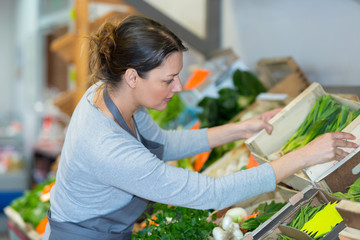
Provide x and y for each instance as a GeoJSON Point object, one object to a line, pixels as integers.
{"type": "Point", "coordinates": [177, 86]}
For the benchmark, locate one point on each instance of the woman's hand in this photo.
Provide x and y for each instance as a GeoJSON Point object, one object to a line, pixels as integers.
{"type": "Point", "coordinates": [231, 132]}
{"type": "Point", "coordinates": [255, 124]}
{"type": "Point", "coordinates": [328, 147]}
{"type": "Point", "coordinates": [323, 149]}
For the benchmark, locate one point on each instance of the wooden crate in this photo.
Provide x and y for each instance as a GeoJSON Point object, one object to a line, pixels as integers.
{"type": "Point", "coordinates": [26, 229]}
{"type": "Point", "coordinates": [277, 223]}
{"type": "Point", "coordinates": [287, 122]}
{"type": "Point", "coordinates": [350, 212]}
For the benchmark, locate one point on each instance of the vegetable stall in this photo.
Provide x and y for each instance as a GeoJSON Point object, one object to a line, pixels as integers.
{"type": "Point", "coordinates": [276, 214]}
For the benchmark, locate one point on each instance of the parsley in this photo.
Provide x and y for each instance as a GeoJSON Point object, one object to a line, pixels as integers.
{"type": "Point", "coordinates": [176, 223]}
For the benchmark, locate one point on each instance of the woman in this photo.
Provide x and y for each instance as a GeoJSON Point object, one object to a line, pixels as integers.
{"type": "Point", "coordinates": [113, 159]}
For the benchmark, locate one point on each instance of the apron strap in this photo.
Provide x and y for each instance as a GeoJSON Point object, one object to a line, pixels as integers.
{"type": "Point", "coordinates": [154, 147]}
{"type": "Point", "coordinates": [115, 111]}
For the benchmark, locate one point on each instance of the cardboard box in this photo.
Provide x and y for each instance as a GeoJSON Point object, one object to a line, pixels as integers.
{"type": "Point", "coordinates": [343, 174]}
{"type": "Point", "coordinates": [287, 122]}
{"type": "Point", "coordinates": [349, 234]}
{"type": "Point", "coordinates": [350, 212]}
{"type": "Point", "coordinates": [272, 71]}
{"type": "Point", "coordinates": [278, 223]}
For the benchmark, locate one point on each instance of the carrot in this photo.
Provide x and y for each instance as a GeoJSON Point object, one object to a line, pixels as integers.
{"type": "Point", "coordinates": [200, 160]}
{"type": "Point", "coordinates": [198, 77]}
{"type": "Point", "coordinates": [196, 125]}
{"type": "Point", "coordinates": [252, 162]}
{"type": "Point", "coordinates": [45, 194]}
{"type": "Point", "coordinates": [42, 225]}
{"type": "Point", "coordinates": [151, 222]}
{"type": "Point", "coordinates": [47, 188]}
{"type": "Point", "coordinates": [253, 215]}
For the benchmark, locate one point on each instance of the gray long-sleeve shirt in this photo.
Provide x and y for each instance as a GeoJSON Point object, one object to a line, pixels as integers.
{"type": "Point", "coordinates": [102, 166]}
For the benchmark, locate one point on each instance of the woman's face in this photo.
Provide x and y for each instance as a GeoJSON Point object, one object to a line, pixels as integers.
{"type": "Point", "coordinates": [161, 83]}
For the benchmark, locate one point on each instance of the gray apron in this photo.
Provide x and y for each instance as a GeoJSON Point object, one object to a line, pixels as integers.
{"type": "Point", "coordinates": [117, 224]}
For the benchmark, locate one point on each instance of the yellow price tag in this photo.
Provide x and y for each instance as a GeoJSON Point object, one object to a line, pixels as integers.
{"type": "Point", "coordinates": [323, 221]}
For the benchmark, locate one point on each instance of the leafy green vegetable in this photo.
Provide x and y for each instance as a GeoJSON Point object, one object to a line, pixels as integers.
{"type": "Point", "coordinates": [353, 193]}
{"type": "Point", "coordinates": [327, 115]}
{"type": "Point", "coordinates": [266, 211]}
{"type": "Point", "coordinates": [247, 83]}
{"type": "Point", "coordinates": [172, 111]}
{"type": "Point", "coordinates": [221, 110]}
{"type": "Point", "coordinates": [218, 111]}
{"type": "Point", "coordinates": [185, 163]}
{"type": "Point", "coordinates": [176, 223]}
{"type": "Point", "coordinates": [30, 207]}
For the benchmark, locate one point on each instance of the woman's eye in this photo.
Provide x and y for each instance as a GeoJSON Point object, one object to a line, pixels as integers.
{"type": "Point", "coordinates": [169, 81]}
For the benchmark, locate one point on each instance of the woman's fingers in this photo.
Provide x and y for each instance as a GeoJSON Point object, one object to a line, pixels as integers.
{"type": "Point", "coordinates": [344, 143]}
{"type": "Point", "coordinates": [330, 146]}
{"type": "Point", "coordinates": [340, 154]}
{"type": "Point", "coordinates": [270, 114]}
{"type": "Point", "coordinates": [268, 127]}
{"type": "Point", "coordinates": [343, 135]}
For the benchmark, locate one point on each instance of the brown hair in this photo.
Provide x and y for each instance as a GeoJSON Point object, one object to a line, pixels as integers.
{"type": "Point", "coordinates": [136, 42]}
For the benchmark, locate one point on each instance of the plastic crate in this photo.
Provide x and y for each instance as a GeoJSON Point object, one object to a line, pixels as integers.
{"type": "Point", "coordinates": [15, 233]}
{"type": "Point", "coordinates": [7, 197]}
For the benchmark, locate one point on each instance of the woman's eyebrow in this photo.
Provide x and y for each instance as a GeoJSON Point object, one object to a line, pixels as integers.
{"type": "Point", "coordinates": [173, 74]}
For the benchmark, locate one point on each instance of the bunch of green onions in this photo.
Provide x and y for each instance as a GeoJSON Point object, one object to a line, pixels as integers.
{"type": "Point", "coordinates": [327, 115]}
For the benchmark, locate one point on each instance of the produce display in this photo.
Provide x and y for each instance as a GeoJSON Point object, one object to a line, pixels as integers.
{"type": "Point", "coordinates": [218, 111]}
{"type": "Point", "coordinates": [170, 222]}
{"type": "Point", "coordinates": [262, 213]}
{"type": "Point", "coordinates": [353, 194]}
{"type": "Point", "coordinates": [231, 101]}
{"type": "Point", "coordinates": [229, 227]}
{"type": "Point", "coordinates": [237, 159]}
{"type": "Point", "coordinates": [316, 221]}
{"type": "Point", "coordinates": [174, 108]}
{"type": "Point", "coordinates": [34, 204]}
{"type": "Point", "coordinates": [236, 221]}
{"type": "Point", "coordinates": [327, 115]}
{"type": "Point", "coordinates": [304, 215]}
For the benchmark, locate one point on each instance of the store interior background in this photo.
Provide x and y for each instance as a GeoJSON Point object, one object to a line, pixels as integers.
{"type": "Point", "coordinates": [322, 36]}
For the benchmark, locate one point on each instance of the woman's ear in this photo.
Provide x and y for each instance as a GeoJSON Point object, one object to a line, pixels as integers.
{"type": "Point", "coordinates": [130, 76]}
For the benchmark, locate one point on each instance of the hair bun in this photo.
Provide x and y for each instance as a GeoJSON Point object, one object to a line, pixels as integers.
{"type": "Point", "coordinates": [105, 39]}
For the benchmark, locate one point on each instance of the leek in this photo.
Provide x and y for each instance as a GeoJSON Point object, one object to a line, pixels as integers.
{"type": "Point", "coordinates": [326, 115]}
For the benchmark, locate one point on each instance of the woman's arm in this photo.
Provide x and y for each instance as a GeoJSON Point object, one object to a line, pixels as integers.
{"type": "Point", "coordinates": [241, 130]}
{"type": "Point", "coordinates": [322, 149]}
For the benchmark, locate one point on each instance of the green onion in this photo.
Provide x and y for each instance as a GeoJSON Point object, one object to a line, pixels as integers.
{"type": "Point", "coordinates": [326, 115]}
